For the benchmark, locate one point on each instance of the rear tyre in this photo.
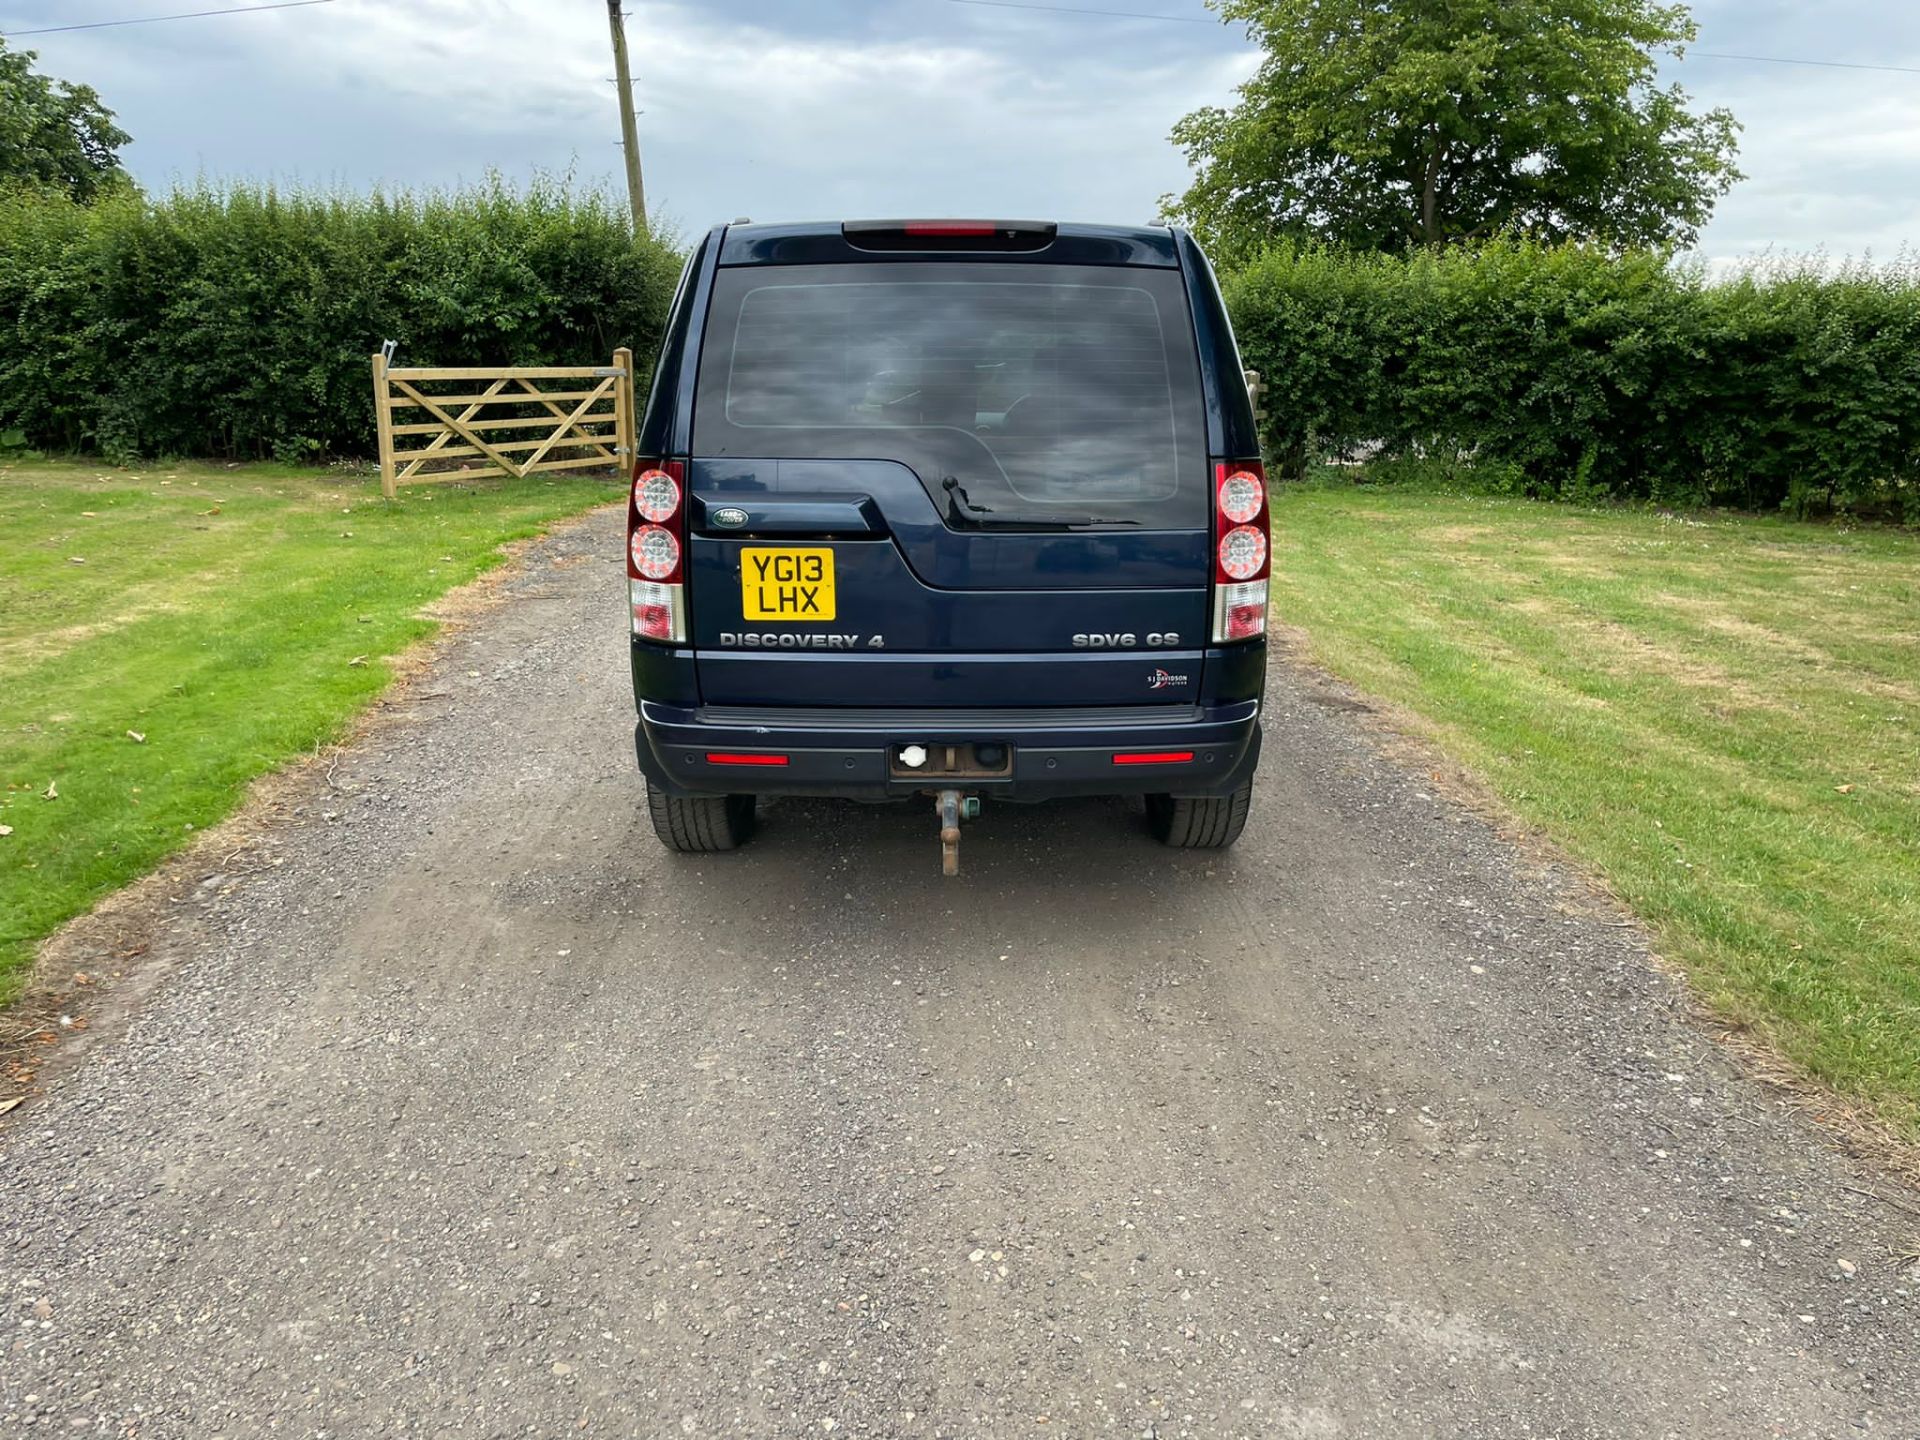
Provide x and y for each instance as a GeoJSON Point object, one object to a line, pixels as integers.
{"type": "Point", "coordinates": [1199, 822]}
{"type": "Point", "coordinates": [700, 824]}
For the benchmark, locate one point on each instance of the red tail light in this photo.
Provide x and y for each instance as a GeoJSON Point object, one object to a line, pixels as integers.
{"type": "Point", "coordinates": [656, 495]}
{"type": "Point", "coordinates": [657, 550]}
{"type": "Point", "coordinates": [1242, 550]}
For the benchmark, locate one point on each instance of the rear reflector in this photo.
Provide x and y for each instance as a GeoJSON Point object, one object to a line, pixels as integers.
{"type": "Point", "coordinates": [1154, 757]}
{"type": "Point", "coordinates": [723, 757]}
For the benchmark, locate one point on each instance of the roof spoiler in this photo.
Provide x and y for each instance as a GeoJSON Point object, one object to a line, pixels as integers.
{"type": "Point", "coordinates": [950, 236]}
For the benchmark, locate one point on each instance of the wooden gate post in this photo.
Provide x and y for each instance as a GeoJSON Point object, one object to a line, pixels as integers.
{"type": "Point", "coordinates": [383, 422]}
{"type": "Point", "coordinates": [625, 423]}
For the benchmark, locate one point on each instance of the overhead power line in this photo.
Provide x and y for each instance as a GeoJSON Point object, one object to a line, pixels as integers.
{"type": "Point", "coordinates": [1210, 20]}
{"type": "Point", "coordinates": [1824, 64]}
{"type": "Point", "coordinates": [1030, 5]}
{"type": "Point", "coordinates": [157, 19]}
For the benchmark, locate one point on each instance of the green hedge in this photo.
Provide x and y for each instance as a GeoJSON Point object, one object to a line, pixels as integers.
{"type": "Point", "coordinates": [1569, 372]}
{"type": "Point", "coordinates": [238, 322]}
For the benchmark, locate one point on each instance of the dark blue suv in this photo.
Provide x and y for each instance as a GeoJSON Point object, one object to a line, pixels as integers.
{"type": "Point", "coordinates": [965, 509]}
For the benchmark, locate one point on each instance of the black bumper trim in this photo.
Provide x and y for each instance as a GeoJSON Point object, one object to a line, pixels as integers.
{"type": "Point", "coordinates": [850, 760]}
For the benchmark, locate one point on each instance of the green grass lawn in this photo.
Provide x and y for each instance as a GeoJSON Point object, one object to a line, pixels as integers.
{"type": "Point", "coordinates": [233, 617]}
{"type": "Point", "coordinates": [1721, 715]}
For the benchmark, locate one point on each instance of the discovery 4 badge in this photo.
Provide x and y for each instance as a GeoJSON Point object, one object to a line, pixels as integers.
{"type": "Point", "coordinates": [786, 640]}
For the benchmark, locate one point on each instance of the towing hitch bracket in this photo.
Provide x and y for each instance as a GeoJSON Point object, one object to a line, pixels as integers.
{"type": "Point", "coordinates": [953, 807]}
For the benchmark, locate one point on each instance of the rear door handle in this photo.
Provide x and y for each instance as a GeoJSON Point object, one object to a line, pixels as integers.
{"type": "Point", "coordinates": [822, 516]}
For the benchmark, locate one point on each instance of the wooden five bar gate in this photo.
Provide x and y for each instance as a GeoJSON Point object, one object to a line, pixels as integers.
{"type": "Point", "coordinates": [585, 420]}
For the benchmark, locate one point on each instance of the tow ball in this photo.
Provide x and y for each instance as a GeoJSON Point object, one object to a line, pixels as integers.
{"type": "Point", "coordinates": [953, 807]}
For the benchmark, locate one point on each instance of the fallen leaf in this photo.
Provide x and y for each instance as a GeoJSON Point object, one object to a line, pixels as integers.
{"type": "Point", "coordinates": [15, 1103]}
{"type": "Point", "coordinates": [1844, 789]}
{"type": "Point", "coordinates": [214, 511]}
{"type": "Point", "coordinates": [52, 792]}
{"type": "Point", "coordinates": [136, 737]}
{"type": "Point", "coordinates": [358, 660]}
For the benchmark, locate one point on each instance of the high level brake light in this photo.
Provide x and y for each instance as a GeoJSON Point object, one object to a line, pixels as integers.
{"type": "Point", "coordinates": [950, 236]}
{"type": "Point", "coordinates": [656, 550]}
{"type": "Point", "coordinates": [1242, 557]}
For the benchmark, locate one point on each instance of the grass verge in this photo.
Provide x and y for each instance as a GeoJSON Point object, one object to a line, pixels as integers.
{"type": "Point", "coordinates": [1720, 715]}
{"type": "Point", "coordinates": [171, 633]}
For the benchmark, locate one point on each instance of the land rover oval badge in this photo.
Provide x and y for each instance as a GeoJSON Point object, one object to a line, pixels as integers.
{"type": "Point", "coordinates": [730, 516]}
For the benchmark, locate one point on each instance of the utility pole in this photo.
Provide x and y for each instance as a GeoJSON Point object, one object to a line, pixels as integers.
{"type": "Point", "coordinates": [629, 129]}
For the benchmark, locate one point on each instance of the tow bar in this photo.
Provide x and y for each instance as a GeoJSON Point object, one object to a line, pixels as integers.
{"type": "Point", "coordinates": [953, 807]}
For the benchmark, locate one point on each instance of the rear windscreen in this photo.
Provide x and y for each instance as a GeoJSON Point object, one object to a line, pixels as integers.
{"type": "Point", "coordinates": [1022, 395]}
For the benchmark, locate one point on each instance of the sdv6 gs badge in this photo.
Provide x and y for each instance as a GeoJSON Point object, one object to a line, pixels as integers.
{"type": "Point", "coordinates": [1124, 640]}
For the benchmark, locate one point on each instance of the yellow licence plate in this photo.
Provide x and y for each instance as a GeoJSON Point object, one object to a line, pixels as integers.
{"type": "Point", "coordinates": [793, 584]}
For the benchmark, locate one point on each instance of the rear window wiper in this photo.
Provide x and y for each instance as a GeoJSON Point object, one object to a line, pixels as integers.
{"type": "Point", "coordinates": [957, 500]}
{"type": "Point", "coordinates": [1041, 520]}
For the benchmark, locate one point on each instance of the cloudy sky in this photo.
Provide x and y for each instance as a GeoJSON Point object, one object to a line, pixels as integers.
{"type": "Point", "coordinates": [821, 108]}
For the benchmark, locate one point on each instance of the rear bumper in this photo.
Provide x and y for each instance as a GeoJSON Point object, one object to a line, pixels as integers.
{"type": "Point", "coordinates": [1055, 752]}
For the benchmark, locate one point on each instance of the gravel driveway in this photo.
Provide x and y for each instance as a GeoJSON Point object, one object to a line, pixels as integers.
{"type": "Point", "coordinates": [481, 1115]}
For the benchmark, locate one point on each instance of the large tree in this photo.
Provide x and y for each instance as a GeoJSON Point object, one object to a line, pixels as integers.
{"type": "Point", "coordinates": [53, 133]}
{"type": "Point", "coordinates": [1392, 124]}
